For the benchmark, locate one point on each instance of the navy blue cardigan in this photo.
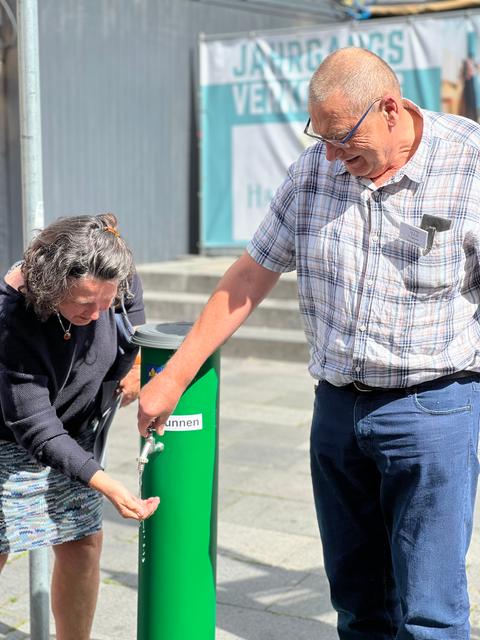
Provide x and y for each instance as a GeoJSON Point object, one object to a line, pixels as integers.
{"type": "Point", "coordinates": [43, 405]}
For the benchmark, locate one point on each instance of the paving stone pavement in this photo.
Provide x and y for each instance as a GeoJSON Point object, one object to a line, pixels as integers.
{"type": "Point", "coordinates": [271, 585]}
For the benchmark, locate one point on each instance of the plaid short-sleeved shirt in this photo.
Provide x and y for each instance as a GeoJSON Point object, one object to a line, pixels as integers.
{"type": "Point", "coordinates": [377, 308]}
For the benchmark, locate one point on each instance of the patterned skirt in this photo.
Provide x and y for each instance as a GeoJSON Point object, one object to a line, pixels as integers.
{"type": "Point", "coordinates": [40, 506]}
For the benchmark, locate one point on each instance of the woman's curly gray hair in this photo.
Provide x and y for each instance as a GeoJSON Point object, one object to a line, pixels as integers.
{"type": "Point", "coordinates": [71, 248]}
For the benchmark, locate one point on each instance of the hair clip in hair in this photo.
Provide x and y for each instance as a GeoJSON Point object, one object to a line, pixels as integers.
{"type": "Point", "coordinates": [112, 230]}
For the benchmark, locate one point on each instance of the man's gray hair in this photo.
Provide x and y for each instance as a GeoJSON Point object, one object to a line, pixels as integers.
{"type": "Point", "coordinates": [360, 75]}
{"type": "Point", "coordinates": [71, 248]}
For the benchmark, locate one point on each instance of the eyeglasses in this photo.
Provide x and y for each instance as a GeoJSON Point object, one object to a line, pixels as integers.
{"type": "Point", "coordinates": [342, 142]}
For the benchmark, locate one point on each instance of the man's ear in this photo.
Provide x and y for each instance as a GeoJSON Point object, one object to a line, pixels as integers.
{"type": "Point", "coordinates": [391, 108]}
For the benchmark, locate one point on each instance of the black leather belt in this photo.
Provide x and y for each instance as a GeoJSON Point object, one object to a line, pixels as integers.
{"type": "Point", "coordinates": [365, 388]}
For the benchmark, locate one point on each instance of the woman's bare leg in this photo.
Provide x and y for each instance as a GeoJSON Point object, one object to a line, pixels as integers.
{"type": "Point", "coordinates": [3, 560]}
{"type": "Point", "coordinates": [75, 581]}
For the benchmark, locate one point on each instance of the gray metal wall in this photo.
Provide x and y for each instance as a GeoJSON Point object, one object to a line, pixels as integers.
{"type": "Point", "coordinates": [118, 83]}
{"type": "Point", "coordinates": [10, 183]}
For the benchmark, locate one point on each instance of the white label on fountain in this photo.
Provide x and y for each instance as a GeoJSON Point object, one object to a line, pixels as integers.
{"type": "Point", "coordinates": [185, 423]}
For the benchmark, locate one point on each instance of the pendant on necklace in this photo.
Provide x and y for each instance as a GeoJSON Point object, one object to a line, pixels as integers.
{"type": "Point", "coordinates": [66, 332]}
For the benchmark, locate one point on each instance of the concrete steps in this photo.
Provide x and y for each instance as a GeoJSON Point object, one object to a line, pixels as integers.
{"type": "Point", "coordinates": [177, 291]}
{"type": "Point", "coordinates": [272, 313]}
{"type": "Point", "coordinates": [158, 277]}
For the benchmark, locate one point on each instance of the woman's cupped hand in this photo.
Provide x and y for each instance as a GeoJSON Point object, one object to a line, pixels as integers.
{"type": "Point", "coordinates": [125, 502]}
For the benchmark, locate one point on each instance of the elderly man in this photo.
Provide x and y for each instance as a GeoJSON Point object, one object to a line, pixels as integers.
{"type": "Point", "coordinates": [381, 219]}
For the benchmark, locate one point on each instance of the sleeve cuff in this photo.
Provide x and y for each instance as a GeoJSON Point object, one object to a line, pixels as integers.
{"type": "Point", "coordinates": [86, 472]}
{"type": "Point", "coordinates": [136, 317]}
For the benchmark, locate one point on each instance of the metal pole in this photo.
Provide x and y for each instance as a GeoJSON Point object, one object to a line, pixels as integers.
{"type": "Point", "coordinates": [33, 218]}
{"type": "Point", "coordinates": [30, 118]}
{"type": "Point", "coordinates": [39, 594]}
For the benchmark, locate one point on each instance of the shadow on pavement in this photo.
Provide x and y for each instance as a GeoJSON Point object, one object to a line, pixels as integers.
{"type": "Point", "coordinates": [6, 631]}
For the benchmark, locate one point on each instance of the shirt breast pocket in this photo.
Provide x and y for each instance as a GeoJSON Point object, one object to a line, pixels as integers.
{"type": "Point", "coordinates": [438, 273]}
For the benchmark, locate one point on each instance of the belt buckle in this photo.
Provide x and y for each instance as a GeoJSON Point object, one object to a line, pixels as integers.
{"type": "Point", "coordinates": [362, 390]}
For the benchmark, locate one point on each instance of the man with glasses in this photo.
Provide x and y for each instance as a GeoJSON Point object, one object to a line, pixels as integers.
{"type": "Point", "coordinates": [381, 220]}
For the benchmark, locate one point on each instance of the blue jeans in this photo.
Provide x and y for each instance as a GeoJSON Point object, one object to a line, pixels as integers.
{"type": "Point", "coordinates": [394, 478]}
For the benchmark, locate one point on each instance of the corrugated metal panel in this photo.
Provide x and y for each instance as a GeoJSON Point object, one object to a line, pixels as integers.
{"type": "Point", "coordinates": [5, 209]}
{"type": "Point", "coordinates": [330, 9]}
{"type": "Point", "coordinates": [118, 84]}
{"type": "Point", "coordinates": [10, 189]}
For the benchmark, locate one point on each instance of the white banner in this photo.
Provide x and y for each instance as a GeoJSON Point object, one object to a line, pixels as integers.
{"type": "Point", "coordinates": [254, 103]}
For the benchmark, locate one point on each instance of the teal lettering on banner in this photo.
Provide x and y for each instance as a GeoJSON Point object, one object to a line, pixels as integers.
{"type": "Point", "coordinates": [281, 58]}
{"type": "Point", "coordinates": [289, 57]}
{"type": "Point", "coordinates": [262, 98]}
{"type": "Point", "coordinates": [396, 55]}
{"type": "Point", "coordinates": [295, 57]}
{"type": "Point", "coordinates": [257, 196]}
{"type": "Point", "coordinates": [242, 69]}
{"type": "Point", "coordinates": [313, 54]}
{"type": "Point", "coordinates": [375, 44]}
{"type": "Point", "coordinates": [258, 61]}
{"type": "Point", "coordinates": [389, 46]}
{"type": "Point", "coordinates": [334, 45]}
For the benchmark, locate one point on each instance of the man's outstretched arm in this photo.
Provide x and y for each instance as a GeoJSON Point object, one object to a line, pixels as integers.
{"type": "Point", "coordinates": [240, 290]}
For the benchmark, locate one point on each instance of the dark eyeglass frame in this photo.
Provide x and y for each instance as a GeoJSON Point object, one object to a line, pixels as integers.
{"type": "Point", "coordinates": [344, 141]}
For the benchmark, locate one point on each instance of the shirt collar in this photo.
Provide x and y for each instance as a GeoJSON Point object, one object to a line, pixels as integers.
{"type": "Point", "coordinates": [416, 167]}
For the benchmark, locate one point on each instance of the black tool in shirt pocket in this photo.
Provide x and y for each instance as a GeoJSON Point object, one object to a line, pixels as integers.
{"type": "Point", "coordinates": [432, 225]}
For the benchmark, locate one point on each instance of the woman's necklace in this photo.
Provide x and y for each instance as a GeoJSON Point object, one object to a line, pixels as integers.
{"type": "Point", "coordinates": [66, 332]}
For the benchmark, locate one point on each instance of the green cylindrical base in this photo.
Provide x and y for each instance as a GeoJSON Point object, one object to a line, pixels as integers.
{"type": "Point", "coordinates": [177, 546]}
